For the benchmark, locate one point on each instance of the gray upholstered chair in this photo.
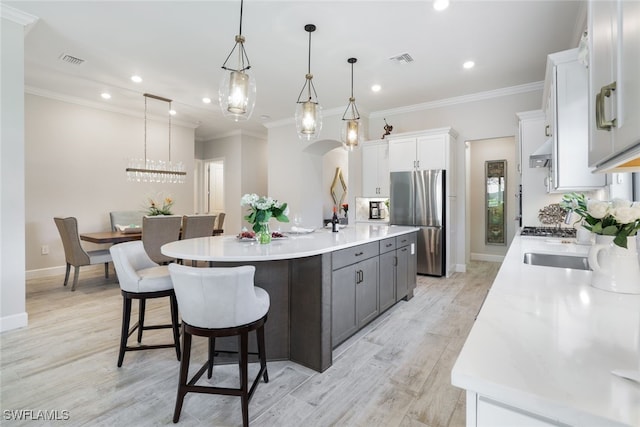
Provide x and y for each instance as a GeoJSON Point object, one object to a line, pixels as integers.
{"type": "Point", "coordinates": [197, 226]}
{"type": "Point", "coordinates": [74, 253]}
{"type": "Point", "coordinates": [125, 218]}
{"type": "Point", "coordinates": [218, 229]}
{"type": "Point", "coordinates": [158, 230]}
{"type": "Point", "coordinates": [220, 302]}
{"type": "Point", "coordinates": [140, 278]}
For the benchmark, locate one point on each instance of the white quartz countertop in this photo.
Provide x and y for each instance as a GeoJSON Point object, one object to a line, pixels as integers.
{"type": "Point", "coordinates": [230, 249]}
{"type": "Point", "coordinates": [545, 341]}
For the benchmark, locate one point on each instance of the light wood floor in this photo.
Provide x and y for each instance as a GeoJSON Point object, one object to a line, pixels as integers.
{"type": "Point", "coordinates": [396, 372]}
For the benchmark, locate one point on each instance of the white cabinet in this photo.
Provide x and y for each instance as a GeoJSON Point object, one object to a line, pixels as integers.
{"type": "Point", "coordinates": [566, 117]}
{"type": "Point", "coordinates": [429, 150]}
{"type": "Point", "coordinates": [375, 169]}
{"type": "Point", "coordinates": [492, 413]}
{"type": "Point", "coordinates": [614, 80]}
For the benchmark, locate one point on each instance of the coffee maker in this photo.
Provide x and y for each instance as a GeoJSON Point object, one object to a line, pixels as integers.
{"type": "Point", "coordinates": [375, 210]}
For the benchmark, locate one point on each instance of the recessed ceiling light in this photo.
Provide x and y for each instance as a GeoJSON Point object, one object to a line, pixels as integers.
{"type": "Point", "coordinates": [172, 112]}
{"type": "Point", "coordinates": [136, 79]}
{"type": "Point", "coordinates": [440, 4]}
{"type": "Point", "coordinates": [376, 88]}
{"type": "Point", "coordinates": [206, 100]}
{"type": "Point", "coordinates": [265, 117]}
{"type": "Point", "coordinates": [105, 95]}
{"type": "Point", "coordinates": [469, 64]}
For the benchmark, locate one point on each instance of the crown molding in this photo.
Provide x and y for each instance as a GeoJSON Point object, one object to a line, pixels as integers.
{"type": "Point", "coordinates": [473, 97]}
{"type": "Point", "coordinates": [526, 115]}
{"type": "Point", "coordinates": [19, 17]}
{"type": "Point", "coordinates": [238, 132]}
{"type": "Point", "coordinates": [102, 106]}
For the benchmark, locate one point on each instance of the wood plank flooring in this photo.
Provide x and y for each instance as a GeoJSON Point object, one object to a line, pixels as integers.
{"type": "Point", "coordinates": [395, 372]}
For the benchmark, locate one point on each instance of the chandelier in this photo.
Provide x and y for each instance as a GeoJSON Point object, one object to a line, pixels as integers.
{"type": "Point", "coordinates": [350, 133]}
{"type": "Point", "coordinates": [147, 170]}
{"type": "Point", "coordinates": [237, 92]}
{"type": "Point", "coordinates": [308, 111]}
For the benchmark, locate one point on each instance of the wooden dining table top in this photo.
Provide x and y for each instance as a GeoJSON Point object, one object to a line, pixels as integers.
{"type": "Point", "coordinates": [110, 237]}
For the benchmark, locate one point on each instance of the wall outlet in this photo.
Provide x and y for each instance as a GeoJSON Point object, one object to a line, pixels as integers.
{"type": "Point", "coordinates": [44, 250]}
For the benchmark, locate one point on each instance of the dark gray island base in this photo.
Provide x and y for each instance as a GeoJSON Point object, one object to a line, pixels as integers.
{"type": "Point", "coordinates": [319, 301]}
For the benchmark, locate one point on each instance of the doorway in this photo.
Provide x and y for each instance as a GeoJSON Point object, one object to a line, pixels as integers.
{"type": "Point", "coordinates": [213, 186]}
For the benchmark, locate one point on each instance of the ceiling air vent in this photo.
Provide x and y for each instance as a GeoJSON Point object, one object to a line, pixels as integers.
{"type": "Point", "coordinates": [71, 59]}
{"type": "Point", "coordinates": [403, 58]}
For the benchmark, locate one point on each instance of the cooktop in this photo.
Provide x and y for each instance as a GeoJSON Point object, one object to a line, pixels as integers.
{"type": "Point", "coordinates": [548, 232]}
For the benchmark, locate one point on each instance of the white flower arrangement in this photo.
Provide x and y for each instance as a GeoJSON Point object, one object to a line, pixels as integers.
{"type": "Point", "coordinates": [262, 209]}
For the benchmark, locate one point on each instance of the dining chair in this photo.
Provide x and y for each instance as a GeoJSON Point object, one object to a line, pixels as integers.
{"type": "Point", "coordinates": [74, 253]}
{"type": "Point", "coordinates": [218, 229]}
{"type": "Point", "coordinates": [125, 218]}
{"type": "Point", "coordinates": [158, 230]}
{"type": "Point", "coordinates": [220, 302]}
{"type": "Point", "coordinates": [197, 226]}
{"type": "Point", "coordinates": [140, 278]}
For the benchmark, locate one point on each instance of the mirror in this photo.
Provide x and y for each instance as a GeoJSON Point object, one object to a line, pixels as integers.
{"type": "Point", "coordinates": [338, 189]}
{"type": "Point", "coordinates": [495, 178]}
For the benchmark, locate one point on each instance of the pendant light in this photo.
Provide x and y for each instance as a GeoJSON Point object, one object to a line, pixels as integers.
{"type": "Point", "coordinates": [237, 93]}
{"type": "Point", "coordinates": [351, 133]}
{"type": "Point", "coordinates": [308, 111]}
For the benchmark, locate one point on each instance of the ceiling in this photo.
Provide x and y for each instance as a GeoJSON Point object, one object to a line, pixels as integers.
{"type": "Point", "coordinates": [178, 47]}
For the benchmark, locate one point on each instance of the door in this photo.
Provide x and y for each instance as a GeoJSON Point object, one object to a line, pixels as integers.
{"type": "Point", "coordinates": [367, 291]}
{"type": "Point", "coordinates": [214, 187]}
{"type": "Point", "coordinates": [402, 272]}
{"type": "Point", "coordinates": [431, 251]}
{"type": "Point", "coordinates": [387, 280]}
{"type": "Point", "coordinates": [343, 304]}
{"type": "Point", "coordinates": [401, 203]}
{"type": "Point", "coordinates": [402, 155]}
{"type": "Point", "coordinates": [431, 152]}
{"type": "Point", "coordinates": [429, 197]}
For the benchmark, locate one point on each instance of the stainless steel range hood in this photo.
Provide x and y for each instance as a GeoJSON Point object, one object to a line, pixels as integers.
{"type": "Point", "coordinates": [541, 158]}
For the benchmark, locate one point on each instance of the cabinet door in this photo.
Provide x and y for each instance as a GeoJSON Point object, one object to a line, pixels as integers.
{"type": "Point", "coordinates": [387, 280]}
{"type": "Point", "coordinates": [370, 186]}
{"type": "Point", "coordinates": [383, 170]}
{"type": "Point", "coordinates": [402, 272]}
{"type": "Point", "coordinates": [602, 71]}
{"type": "Point", "coordinates": [367, 291]}
{"type": "Point", "coordinates": [402, 154]}
{"type": "Point", "coordinates": [431, 152]}
{"type": "Point", "coordinates": [343, 304]}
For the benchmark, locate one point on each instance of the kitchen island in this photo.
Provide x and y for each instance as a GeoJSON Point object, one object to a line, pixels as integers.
{"type": "Point", "coordinates": [323, 286]}
{"type": "Point", "coordinates": [543, 346]}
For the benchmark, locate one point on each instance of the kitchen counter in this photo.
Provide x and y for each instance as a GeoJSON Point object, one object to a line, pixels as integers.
{"type": "Point", "coordinates": [545, 342]}
{"type": "Point", "coordinates": [229, 248]}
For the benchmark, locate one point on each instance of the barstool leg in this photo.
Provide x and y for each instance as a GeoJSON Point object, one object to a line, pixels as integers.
{"type": "Point", "coordinates": [124, 334]}
{"type": "Point", "coordinates": [212, 351]}
{"type": "Point", "coordinates": [175, 323]}
{"type": "Point", "coordinates": [141, 308]}
{"type": "Point", "coordinates": [184, 371]}
{"type": "Point", "coordinates": [244, 382]}
{"type": "Point", "coordinates": [262, 353]}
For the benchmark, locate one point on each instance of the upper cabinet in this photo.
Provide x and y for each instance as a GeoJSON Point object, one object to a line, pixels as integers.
{"type": "Point", "coordinates": [566, 123]}
{"type": "Point", "coordinates": [375, 169]}
{"type": "Point", "coordinates": [422, 151]}
{"type": "Point", "coordinates": [614, 84]}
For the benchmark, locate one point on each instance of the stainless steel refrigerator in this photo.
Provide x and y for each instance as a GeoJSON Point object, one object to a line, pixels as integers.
{"type": "Point", "coordinates": [418, 199]}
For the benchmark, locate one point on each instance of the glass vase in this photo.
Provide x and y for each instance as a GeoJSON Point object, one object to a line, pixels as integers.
{"type": "Point", "coordinates": [263, 235]}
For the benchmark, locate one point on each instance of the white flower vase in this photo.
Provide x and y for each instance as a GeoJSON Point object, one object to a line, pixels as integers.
{"type": "Point", "coordinates": [615, 269]}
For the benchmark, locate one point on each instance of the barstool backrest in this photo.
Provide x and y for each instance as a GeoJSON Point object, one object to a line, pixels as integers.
{"type": "Point", "coordinates": [217, 297]}
{"type": "Point", "coordinates": [128, 259]}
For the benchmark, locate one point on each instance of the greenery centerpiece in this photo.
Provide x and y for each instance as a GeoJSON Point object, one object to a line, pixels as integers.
{"type": "Point", "coordinates": [619, 218]}
{"type": "Point", "coordinates": [261, 210]}
{"type": "Point", "coordinates": [159, 205]}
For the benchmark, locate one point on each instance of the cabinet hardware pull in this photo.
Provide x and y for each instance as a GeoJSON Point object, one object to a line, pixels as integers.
{"type": "Point", "coordinates": [395, 261]}
{"type": "Point", "coordinates": [546, 131]}
{"type": "Point", "coordinates": [388, 245]}
{"type": "Point", "coordinates": [361, 276]}
{"type": "Point", "coordinates": [359, 253]}
{"type": "Point", "coordinates": [601, 121]}
{"type": "Point", "coordinates": [404, 249]}
{"type": "Point", "coordinates": [357, 277]}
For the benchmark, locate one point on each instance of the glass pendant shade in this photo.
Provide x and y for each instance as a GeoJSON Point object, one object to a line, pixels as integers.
{"type": "Point", "coordinates": [350, 134]}
{"type": "Point", "coordinates": [237, 95]}
{"type": "Point", "coordinates": [308, 112]}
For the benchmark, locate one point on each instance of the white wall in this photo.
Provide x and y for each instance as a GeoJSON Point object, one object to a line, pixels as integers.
{"type": "Point", "coordinates": [336, 158]}
{"type": "Point", "coordinates": [12, 197]}
{"type": "Point", "coordinates": [480, 152]}
{"type": "Point", "coordinates": [75, 166]}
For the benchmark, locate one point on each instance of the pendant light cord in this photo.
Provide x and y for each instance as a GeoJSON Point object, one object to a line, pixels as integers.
{"type": "Point", "coordinates": [145, 131]}
{"type": "Point", "coordinates": [241, 4]}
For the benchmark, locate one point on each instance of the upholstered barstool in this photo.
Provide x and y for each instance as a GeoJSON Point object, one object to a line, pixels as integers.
{"type": "Point", "coordinates": [140, 278]}
{"type": "Point", "coordinates": [220, 302]}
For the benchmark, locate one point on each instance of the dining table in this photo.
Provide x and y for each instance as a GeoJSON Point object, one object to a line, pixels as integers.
{"type": "Point", "coordinates": [110, 237]}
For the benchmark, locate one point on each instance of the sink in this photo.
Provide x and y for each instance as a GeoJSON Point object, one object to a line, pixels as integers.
{"type": "Point", "coordinates": [560, 261]}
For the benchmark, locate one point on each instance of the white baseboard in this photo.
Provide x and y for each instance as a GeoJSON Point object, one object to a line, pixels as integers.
{"type": "Point", "coordinates": [486, 257]}
{"type": "Point", "coordinates": [461, 268]}
{"type": "Point", "coordinates": [45, 272]}
{"type": "Point", "coordinates": [14, 321]}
